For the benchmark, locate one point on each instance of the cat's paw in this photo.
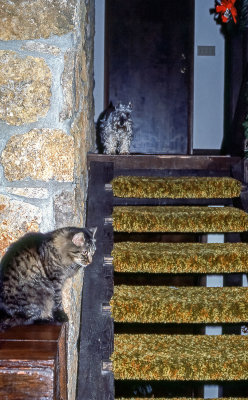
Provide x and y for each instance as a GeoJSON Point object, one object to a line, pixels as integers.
{"type": "Point", "coordinates": [60, 316]}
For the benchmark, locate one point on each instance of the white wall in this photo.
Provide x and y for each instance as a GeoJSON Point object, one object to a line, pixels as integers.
{"type": "Point", "coordinates": [208, 75]}
{"type": "Point", "coordinates": [208, 80]}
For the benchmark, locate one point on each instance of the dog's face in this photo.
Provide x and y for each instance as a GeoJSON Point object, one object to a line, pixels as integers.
{"type": "Point", "coordinates": [123, 114]}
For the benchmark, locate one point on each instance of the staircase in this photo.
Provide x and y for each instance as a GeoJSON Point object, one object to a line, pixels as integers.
{"type": "Point", "coordinates": [153, 215]}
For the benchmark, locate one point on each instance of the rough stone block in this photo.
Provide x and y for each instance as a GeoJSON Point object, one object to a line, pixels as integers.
{"type": "Point", "coordinates": [67, 80]}
{"type": "Point", "coordinates": [65, 209]}
{"type": "Point", "coordinates": [29, 192]}
{"type": "Point", "coordinates": [33, 19]}
{"type": "Point", "coordinates": [40, 155]}
{"type": "Point", "coordinates": [25, 88]}
{"type": "Point", "coordinates": [41, 48]}
{"type": "Point", "coordinates": [16, 219]}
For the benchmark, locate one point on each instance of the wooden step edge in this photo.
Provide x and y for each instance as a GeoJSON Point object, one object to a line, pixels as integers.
{"type": "Point", "coordinates": [164, 161]}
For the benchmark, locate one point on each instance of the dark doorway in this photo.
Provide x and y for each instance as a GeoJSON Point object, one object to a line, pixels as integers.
{"type": "Point", "coordinates": [149, 52]}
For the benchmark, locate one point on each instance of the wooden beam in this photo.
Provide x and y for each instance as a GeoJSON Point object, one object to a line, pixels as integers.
{"type": "Point", "coordinates": [132, 161]}
{"type": "Point", "coordinates": [96, 336]}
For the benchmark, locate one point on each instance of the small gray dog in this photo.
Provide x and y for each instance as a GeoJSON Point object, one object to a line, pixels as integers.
{"type": "Point", "coordinates": [115, 129]}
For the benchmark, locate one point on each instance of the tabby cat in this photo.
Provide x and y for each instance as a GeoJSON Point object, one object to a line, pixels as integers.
{"type": "Point", "coordinates": [33, 272]}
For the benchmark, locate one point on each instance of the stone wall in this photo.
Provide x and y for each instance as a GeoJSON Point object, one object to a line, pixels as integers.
{"type": "Point", "coordinates": [46, 126]}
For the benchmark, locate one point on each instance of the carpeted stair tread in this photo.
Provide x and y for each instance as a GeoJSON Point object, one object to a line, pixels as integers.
{"type": "Point", "coordinates": [163, 304]}
{"type": "Point", "coordinates": [180, 257]}
{"type": "Point", "coordinates": [181, 357]}
{"type": "Point", "coordinates": [179, 219]}
{"type": "Point", "coordinates": [176, 187]}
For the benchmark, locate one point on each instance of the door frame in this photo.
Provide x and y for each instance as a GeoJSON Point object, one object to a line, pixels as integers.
{"type": "Point", "coordinates": [191, 73]}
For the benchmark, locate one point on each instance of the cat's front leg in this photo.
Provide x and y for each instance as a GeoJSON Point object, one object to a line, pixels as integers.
{"type": "Point", "coordinates": [58, 310]}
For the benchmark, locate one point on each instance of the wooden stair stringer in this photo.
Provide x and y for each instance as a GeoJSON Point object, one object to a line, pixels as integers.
{"type": "Point", "coordinates": [95, 378]}
{"type": "Point", "coordinates": [89, 370]}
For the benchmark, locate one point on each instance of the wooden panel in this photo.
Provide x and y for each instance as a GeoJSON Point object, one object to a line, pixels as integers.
{"type": "Point", "coordinates": [37, 332]}
{"type": "Point", "coordinates": [24, 353]}
{"type": "Point", "coordinates": [33, 363]}
{"type": "Point", "coordinates": [27, 384]}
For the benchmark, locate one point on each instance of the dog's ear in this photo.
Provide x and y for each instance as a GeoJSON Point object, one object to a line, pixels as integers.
{"type": "Point", "coordinates": [111, 106]}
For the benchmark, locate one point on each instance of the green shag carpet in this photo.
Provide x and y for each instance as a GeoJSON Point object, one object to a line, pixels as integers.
{"type": "Point", "coordinates": [180, 257]}
{"type": "Point", "coordinates": [171, 187]}
{"type": "Point", "coordinates": [163, 304]}
{"type": "Point", "coordinates": [181, 357]}
{"type": "Point", "coordinates": [179, 219]}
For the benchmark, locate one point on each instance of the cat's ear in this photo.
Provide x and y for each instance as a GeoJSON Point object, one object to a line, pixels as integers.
{"type": "Point", "coordinates": [93, 231]}
{"type": "Point", "coordinates": [130, 105]}
{"type": "Point", "coordinates": [78, 239]}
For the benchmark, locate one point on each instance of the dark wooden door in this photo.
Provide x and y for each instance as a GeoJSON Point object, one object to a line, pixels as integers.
{"type": "Point", "coordinates": [149, 52]}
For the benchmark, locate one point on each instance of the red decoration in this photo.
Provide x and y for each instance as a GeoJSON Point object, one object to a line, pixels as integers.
{"type": "Point", "coordinates": [227, 10]}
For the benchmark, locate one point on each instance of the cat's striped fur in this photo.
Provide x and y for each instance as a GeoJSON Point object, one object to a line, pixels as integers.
{"type": "Point", "coordinates": [34, 270]}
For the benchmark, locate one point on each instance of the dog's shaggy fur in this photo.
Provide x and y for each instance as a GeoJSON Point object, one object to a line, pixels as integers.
{"type": "Point", "coordinates": [115, 129]}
